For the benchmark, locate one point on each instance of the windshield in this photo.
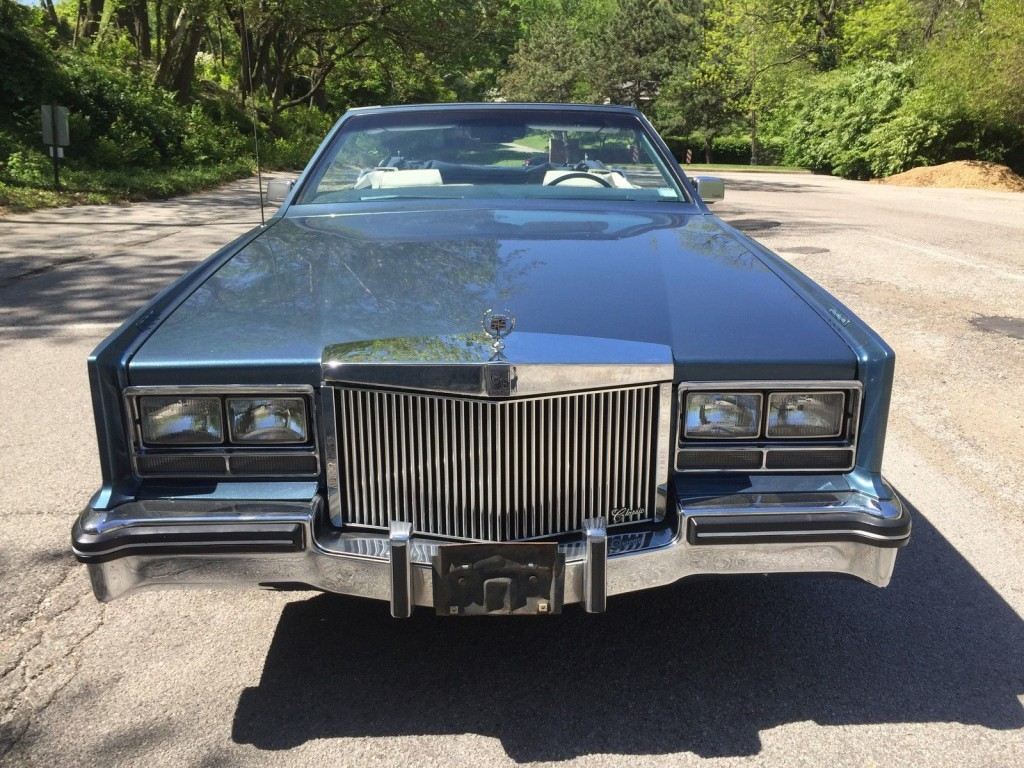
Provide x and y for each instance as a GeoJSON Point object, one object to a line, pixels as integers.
{"type": "Point", "coordinates": [497, 153]}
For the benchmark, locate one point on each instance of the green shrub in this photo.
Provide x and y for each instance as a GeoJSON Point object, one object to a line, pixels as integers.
{"type": "Point", "coordinates": [29, 167]}
{"type": "Point", "coordinates": [126, 109]}
{"type": "Point", "coordinates": [871, 120]}
{"type": "Point", "coordinates": [207, 141]}
{"type": "Point", "coordinates": [730, 149]}
{"type": "Point", "coordinates": [826, 126]}
{"type": "Point", "coordinates": [298, 133]}
{"type": "Point", "coordinates": [8, 142]}
{"type": "Point", "coordinates": [912, 136]}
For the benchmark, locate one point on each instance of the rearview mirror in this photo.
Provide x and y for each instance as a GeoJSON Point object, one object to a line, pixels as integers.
{"type": "Point", "coordinates": [278, 189]}
{"type": "Point", "coordinates": [491, 133]}
{"type": "Point", "coordinates": [710, 188]}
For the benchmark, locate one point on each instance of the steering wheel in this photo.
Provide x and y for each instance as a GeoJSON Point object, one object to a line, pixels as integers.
{"type": "Point", "coordinates": [579, 175]}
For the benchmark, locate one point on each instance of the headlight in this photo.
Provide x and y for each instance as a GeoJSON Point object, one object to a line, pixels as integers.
{"type": "Point", "coordinates": [267, 419]}
{"type": "Point", "coordinates": [805, 414]}
{"type": "Point", "coordinates": [181, 420]}
{"type": "Point", "coordinates": [724, 415]}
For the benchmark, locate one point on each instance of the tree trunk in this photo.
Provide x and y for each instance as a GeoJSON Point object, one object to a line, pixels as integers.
{"type": "Point", "coordinates": [139, 13]}
{"type": "Point", "coordinates": [179, 61]}
{"type": "Point", "coordinates": [107, 15]}
{"type": "Point", "coordinates": [91, 21]}
{"type": "Point", "coordinates": [158, 12]}
{"type": "Point", "coordinates": [707, 148]}
{"type": "Point", "coordinates": [261, 65]}
{"type": "Point", "coordinates": [51, 13]}
{"type": "Point", "coordinates": [284, 61]}
{"type": "Point", "coordinates": [79, 16]}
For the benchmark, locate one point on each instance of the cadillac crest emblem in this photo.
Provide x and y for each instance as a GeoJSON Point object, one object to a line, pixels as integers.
{"type": "Point", "coordinates": [498, 325]}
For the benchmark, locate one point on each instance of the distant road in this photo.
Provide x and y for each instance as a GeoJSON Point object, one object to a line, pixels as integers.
{"type": "Point", "coordinates": [780, 671]}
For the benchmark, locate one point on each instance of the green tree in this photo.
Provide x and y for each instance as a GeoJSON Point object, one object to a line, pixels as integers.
{"type": "Point", "coordinates": [549, 64]}
{"type": "Point", "coordinates": [753, 51]}
{"type": "Point", "coordinates": [640, 47]}
{"type": "Point", "coordinates": [890, 30]}
{"type": "Point", "coordinates": [704, 99]}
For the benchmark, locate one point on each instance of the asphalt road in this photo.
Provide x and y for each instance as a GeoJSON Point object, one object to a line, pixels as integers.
{"type": "Point", "coordinates": [786, 671]}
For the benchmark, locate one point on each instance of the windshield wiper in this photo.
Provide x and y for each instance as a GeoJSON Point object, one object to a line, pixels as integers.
{"type": "Point", "coordinates": [582, 197]}
{"type": "Point", "coordinates": [411, 197]}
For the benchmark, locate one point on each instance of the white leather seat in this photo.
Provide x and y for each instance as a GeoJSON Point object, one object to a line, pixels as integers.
{"type": "Point", "coordinates": [391, 178]}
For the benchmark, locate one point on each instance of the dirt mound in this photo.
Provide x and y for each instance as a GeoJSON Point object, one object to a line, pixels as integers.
{"type": "Point", "coordinates": [962, 174]}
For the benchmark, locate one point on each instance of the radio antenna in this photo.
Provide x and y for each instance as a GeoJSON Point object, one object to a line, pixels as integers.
{"type": "Point", "coordinates": [252, 105]}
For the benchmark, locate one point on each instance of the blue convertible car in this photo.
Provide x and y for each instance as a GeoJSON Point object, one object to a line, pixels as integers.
{"type": "Point", "coordinates": [492, 358]}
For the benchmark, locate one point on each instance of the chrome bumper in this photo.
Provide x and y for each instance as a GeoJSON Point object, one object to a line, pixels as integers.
{"type": "Point", "coordinates": [283, 545]}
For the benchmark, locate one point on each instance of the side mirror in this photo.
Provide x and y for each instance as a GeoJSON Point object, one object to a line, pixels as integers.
{"type": "Point", "coordinates": [710, 188]}
{"type": "Point", "coordinates": [278, 189]}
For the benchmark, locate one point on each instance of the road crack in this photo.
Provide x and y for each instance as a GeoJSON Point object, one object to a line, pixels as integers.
{"type": "Point", "coordinates": [49, 656]}
{"type": "Point", "coordinates": [43, 269]}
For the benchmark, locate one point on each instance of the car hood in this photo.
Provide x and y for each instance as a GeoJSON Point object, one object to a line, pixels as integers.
{"type": "Point", "coordinates": [679, 280]}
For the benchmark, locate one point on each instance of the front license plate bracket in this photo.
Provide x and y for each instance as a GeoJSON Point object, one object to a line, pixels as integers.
{"type": "Point", "coordinates": [498, 579]}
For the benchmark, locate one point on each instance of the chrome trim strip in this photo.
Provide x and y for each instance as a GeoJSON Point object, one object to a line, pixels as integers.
{"type": "Point", "coordinates": [796, 385]}
{"type": "Point", "coordinates": [764, 444]}
{"type": "Point", "coordinates": [198, 545]}
{"type": "Point", "coordinates": [782, 534]}
{"type": "Point", "coordinates": [226, 390]}
{"type": "Point", "coordinates": [804, 502]}
{"type": "Point", "coordinates": [466, 365]}
{"type": "Point", "coordinates": [330, 422]}
{"type": "Point", "coordinates": [492, 379]}
{"type": "Point", "coordinates": [663, 450]}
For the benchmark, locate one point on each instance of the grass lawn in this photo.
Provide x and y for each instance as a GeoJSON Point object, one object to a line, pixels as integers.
{"type": "Point", "coordinates": [80, 186]}
{"type": "Point", "coordinates": [741, 168]}
{"type": "Point", "coordinates": [537, 141]}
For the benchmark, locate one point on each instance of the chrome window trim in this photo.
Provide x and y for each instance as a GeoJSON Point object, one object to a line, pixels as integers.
{"type": "Point", "coordinates": [137, 447]}
{"type": "Point", "coordinates": [833, 436]}
{"type": "Point", "coordinates": [762, 443]}
{"type": "Point", "coordinates": [760, 417]}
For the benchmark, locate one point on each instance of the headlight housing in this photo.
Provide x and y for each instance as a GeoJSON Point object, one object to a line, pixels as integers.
{"type": "Point", "coordinates": [181, 420]}
{"type": "Point", "coordinates": [267, 419]}
{"type": "Point", "coordinates": [723, 415]}
{"type": "Point", "coordinates": [225, 431]}
{"type": "Point", "coordinates": [768, 426]}
{"type": "Point", "coordinates": [805, 414]}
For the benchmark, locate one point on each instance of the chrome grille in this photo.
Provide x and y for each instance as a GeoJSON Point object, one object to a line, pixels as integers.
{"type": "Point", "coordinates": [496, 470]}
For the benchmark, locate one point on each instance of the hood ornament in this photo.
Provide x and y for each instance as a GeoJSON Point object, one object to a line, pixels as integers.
{"type": "Point", "coordinates": [498, 325]}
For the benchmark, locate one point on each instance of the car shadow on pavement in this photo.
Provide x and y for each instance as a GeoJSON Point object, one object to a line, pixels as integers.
{"type": "Point", "coordinates": [703, 666]}
{"type": "Point", "coordinates": [762, 182]}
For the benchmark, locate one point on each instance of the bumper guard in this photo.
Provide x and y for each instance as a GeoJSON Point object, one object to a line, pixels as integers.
{"type": "Point", "coordinates": [288, 544]}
